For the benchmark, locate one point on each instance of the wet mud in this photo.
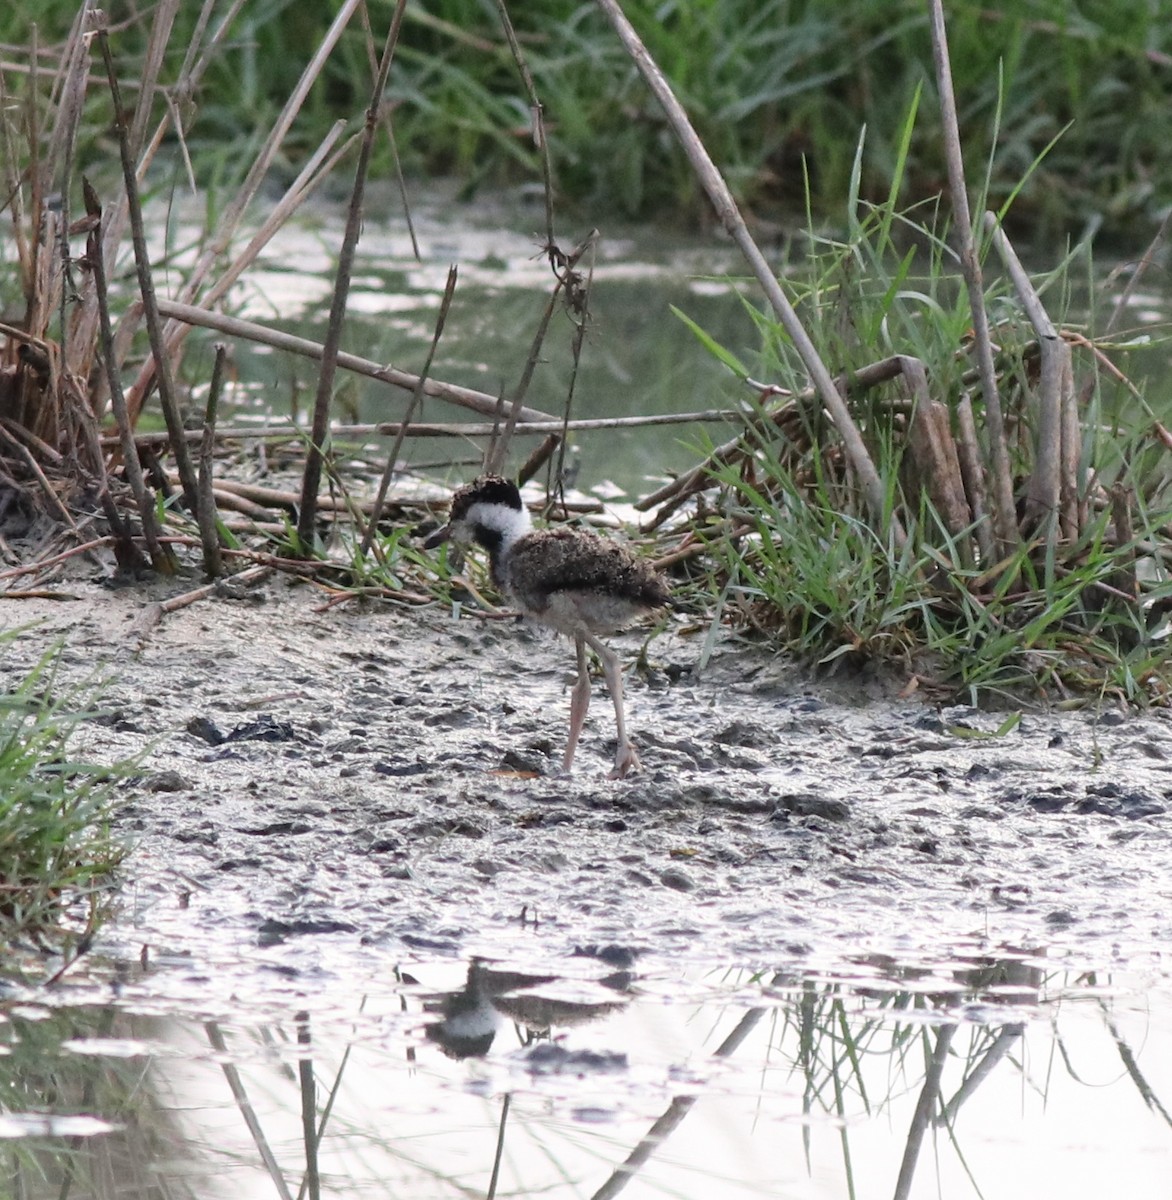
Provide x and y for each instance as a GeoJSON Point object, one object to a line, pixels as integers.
{"type": "Point", "coordinates": [322, 791]}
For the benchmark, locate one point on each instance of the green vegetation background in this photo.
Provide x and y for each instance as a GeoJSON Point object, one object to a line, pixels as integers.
{"type": "Point", "coordinates": [775, 87]}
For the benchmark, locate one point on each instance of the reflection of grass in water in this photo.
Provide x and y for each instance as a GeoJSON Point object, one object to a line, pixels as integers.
{"type": "Point", "coordinates": [858, 1049]}
{"type": "Point", "coordinates": [37, 1077]}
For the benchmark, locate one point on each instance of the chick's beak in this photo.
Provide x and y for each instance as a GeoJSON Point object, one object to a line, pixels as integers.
{"type": "Point", "coordinates": [438, 538]}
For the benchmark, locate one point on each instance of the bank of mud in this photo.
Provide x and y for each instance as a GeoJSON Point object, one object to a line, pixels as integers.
{"type": "Point", "coordinates": [325, 790]}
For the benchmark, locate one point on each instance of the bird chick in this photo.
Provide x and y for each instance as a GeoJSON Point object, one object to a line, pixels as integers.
{"type": "Point", "coordinates": [576, 582]}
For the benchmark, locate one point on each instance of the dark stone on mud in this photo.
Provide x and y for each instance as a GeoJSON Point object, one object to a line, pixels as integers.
{"type": "Point", "coordinates": [807, 804]}
{"type": "Point", "coordinates": [1061, 917]}
{"type": "Point", "coordinates": [1114, 800]}
{"type": "Point", "coordinates": [526, 762]}
{"type": "Point", "coordinates": [550, 1058]}
{"type": "Point", "coordinates": [445, 827]}
{"type": "Point", "coordinates": [276, 828]}
{"type": "Point", "coordinates": [263, 729]}
{"type": "Point", "coordinates": [167, 781]}
{"type": "Point", "coordinates": [1051, 801]}
{"type": "Point", "coordinates": [272, 932]}
{"type": "Point", "coordinates": [678, 879]}
{"type": "Point", "coordinates": [741, 733]}
{"type": "Point", "coordinates": [400, 770]}
{"type": "Point", "coordinates": [206, 730]}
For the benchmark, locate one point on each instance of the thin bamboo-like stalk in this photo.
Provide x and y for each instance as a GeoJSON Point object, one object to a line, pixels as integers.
{"type": "Point", "coordinates": [730, 217]}
{"type": "Point", "coordinates": [973, 473]}
{"type": "Point", "coordinates": [160, 558]}
{"type": "Point", "coordinates": [1045, 483]}
{"type": "Point", "coordinates": [167, 396]}
{"type": "Point", "coordinates": [208, 534]}
{"type": "Point", "coordinates": [314, 459]}
{"type": "Point", "coordinates": [425, 429]}
{"type": "Point", "coordinates": [1001, 481]}
{"type": "Point", "coordinates": [479, 402]}
{"type": "Point", "coordinates": [416, 395]}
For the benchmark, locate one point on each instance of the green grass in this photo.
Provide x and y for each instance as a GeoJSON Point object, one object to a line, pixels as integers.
{"type": "Point", "coordinates": [800, 556]}
{"type": "Point", "coordinates": [57, 853]}
{"type": "Point", "coordinates": [770, 84]}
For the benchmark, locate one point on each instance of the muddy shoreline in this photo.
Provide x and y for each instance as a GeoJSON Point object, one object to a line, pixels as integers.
{"type": "Point", "coordinates": [325, 791]}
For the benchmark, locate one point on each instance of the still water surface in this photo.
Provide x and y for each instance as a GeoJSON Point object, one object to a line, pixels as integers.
{"type": "Point", "coordinates": [998, 1078]}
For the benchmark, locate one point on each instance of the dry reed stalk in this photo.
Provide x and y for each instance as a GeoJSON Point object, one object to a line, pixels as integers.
{"type": "Point", "coordinates": [540, 456]}
{"type": "Point", "coordinates": [167, 397]}
{"type": "Point", "coordinates": [730, 217]}
{"type": "Point", "coordinates": [469, 398]}
{"type": "Point", "coordinates": [160, 558]}
{"type": "Point", "coordinates": [697, 479]}
{"type": "Point", "coordinates": [195, 64]}
{"type": "Point", "coordinates": [311, 478]}
{"type": "Point", "coordinates": [567, 278]}
{"type": "Point", "coordinates": [416, 396]}
{"type": "Point", "coordinates": [233, 214]}
{"type": "Point", "coordinates": [208, 534]}
{"type": "Point", "coordinates": [1001, 480]}
{"type": "Point", "coordinates": [431, 429]}
{"type": "Point", "coordinates": [1123, 577]}
{"type": "Point", "coordinates": [934, 453]}
{"type": "Point", "coordinates": [1046, 484]}
{"type": "Point", "coordinates": [973, 474]}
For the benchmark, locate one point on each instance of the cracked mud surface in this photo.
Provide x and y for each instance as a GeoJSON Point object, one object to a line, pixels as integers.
{"type": "Point", "coordinates": [325, 791]}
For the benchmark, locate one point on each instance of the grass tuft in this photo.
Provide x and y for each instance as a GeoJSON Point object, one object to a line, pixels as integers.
{"type": "Point", "coordinates": [57, 854]}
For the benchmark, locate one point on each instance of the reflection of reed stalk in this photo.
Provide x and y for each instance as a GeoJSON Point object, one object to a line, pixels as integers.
{"type": "Point", "coordinates": [671, 1118]}
{"type": "Point", "coordinates": [925, 1108]}
{"type": "Point", "coordinates": [236, 1084]}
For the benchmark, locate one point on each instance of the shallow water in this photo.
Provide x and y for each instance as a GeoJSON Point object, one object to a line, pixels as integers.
{"type": "Point", "coordinates": [638, 357]}
{"type": "Point", "coordinates": [587, 1078]}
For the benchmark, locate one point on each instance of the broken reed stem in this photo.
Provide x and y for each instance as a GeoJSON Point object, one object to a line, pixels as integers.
{"type": "Point", "coordinates": [161, 559]}
{"type": "Point", "coordinates": [581, 319]}
{"type": "Point", "coordinates": [934, 453]}
{"type": "Point", "coordinates": [1124, 577]}
{"type": "Point", "coordinates": [209, 535]}
{"type": "Point", "coordinates": [469, 398]}
{"type": "Point", "coordinates": [154, 324]}
{"type": "Point", "coordinates": [431, 429]}
{"type": "Point", "coordinates": [730, 217]}
{"type": "Point", "coordinates": [311, 479]}
{"type": "Point", "coordinates": [1001, 499]}
{"type": "Point", "coordinates": [416, 396]}
{"type": "Point", "coordinates": [1046, 485]}
{"type": "Point", "coordinates": [972, 471]}
{"type": "Point", "coordinates": [567, 278]}
{"type": "Point", "coordinates": [536, 108]}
